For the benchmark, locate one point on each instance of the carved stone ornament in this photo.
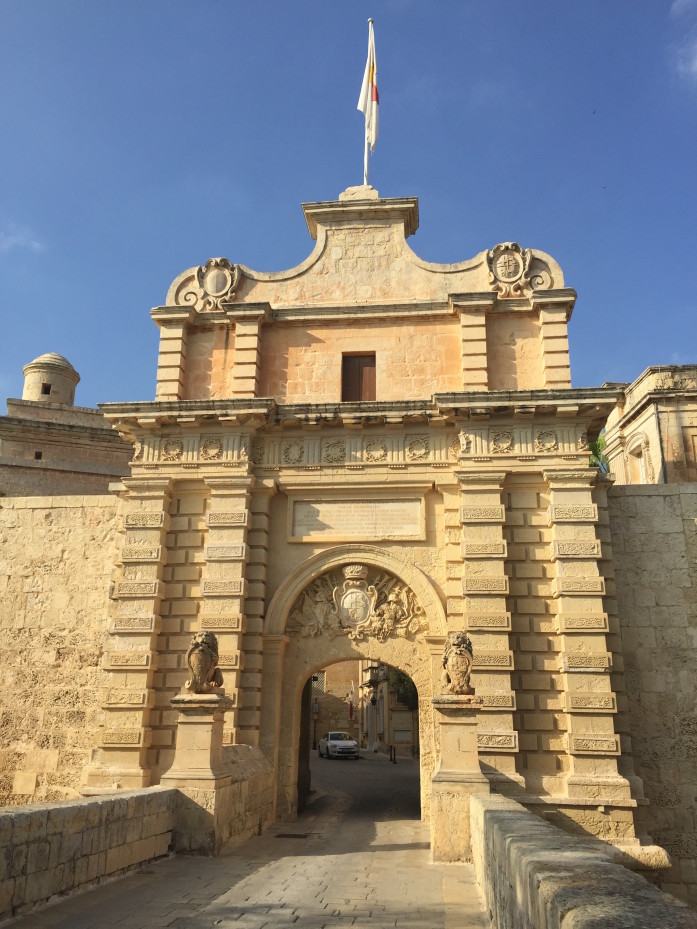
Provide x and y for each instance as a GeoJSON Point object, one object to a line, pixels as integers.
{"type": "Point", "coordinates": [210, 286]}
{"type": "Point", "coordinates": [509, 267]}
{"type": "Point", "coordinates": [502, 442]}
{"type": "Point", "coordinates": [546, 441]}
{"type": "Point", "coordinates": [202, 658]}
{"type": "Point", "coordinates": [358, 602]}
{"type": "Point", "coordinates": [172, 450]}
{"type": "Point", "coordinates": [218, 280]}
{"type": "Point", "coordinates": [465, 443]}
{"type": "Point", "coordinates": [457, 664]}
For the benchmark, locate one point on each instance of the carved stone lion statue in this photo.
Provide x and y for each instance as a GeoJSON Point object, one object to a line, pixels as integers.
{"type": "Point", "coordinates": [457, 664]}
{"type": "Point", "coordinates": [202, 658]}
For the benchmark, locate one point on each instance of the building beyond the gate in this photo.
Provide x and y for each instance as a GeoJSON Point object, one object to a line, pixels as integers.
{"type": "Point", "coordinates": [347, 461]}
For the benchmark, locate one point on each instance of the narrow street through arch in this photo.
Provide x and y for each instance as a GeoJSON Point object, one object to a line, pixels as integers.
{"type": "Point", "coordinates": [357, 857]}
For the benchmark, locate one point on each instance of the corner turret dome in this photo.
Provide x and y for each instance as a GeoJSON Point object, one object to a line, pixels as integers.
{"type": "Point", "coordinates": [50, 378]}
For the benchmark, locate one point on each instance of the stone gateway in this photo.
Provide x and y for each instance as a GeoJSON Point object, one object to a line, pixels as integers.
{"type": "Point", "coordinates": [368, 456]}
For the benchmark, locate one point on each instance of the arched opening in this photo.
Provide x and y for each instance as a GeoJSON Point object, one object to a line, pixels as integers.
{"type": "Point", "coordinates": [351, 604]}
{"type": "Point", "coordinates": [366, 712]}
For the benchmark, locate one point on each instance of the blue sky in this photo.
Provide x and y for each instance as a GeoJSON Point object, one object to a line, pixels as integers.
{"type": "Point", "coordinates": [141, 137]}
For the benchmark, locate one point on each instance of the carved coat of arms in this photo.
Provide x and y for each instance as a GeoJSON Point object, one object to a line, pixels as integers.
{"type": "Point", "coordinates": [358, 603]}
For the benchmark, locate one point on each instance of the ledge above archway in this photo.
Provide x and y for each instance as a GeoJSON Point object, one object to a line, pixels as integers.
{"type": "Point", "coordinates": [370, 555]}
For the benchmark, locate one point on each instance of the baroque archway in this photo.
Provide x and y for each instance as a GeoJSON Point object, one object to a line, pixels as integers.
{"type": "Point", "coordinates": [353, 602]}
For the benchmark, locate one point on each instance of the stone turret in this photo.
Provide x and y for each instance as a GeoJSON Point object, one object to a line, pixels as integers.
{"type": "Point", "coordinates": [50, 378]}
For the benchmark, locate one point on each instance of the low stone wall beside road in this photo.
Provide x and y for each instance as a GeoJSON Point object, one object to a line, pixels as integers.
{"type": "Point", "coordinates": [533, 874]}
{"type": "Point", "coordinates": [52, 848]}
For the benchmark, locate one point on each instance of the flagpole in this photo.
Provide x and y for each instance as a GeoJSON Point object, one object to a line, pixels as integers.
{"type": "Point", "coordinates": [366, 151]}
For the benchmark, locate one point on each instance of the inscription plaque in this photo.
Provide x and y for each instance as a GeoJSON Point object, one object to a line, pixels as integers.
{"type": "Point", "coordinates": [357, 519]}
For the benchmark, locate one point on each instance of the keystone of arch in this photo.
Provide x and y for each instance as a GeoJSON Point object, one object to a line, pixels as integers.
{"type": "Point", "coordinates": [310, 570]}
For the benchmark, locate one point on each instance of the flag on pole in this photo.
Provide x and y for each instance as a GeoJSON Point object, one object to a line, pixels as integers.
{"type": "Point", "coordinates": [351, 702]}
{"type": "Point", "coordinates": [368, 100]}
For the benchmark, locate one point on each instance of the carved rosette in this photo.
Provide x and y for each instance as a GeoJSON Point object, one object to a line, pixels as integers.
{"type": "Point", "coordinates": [358, 602]}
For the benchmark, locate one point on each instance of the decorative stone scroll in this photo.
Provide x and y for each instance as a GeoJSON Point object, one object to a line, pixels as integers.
{"type": "Point", "coordinates": [359, 602]}
{"type": "Point", "coordinates": [509, 265]}
{"type": "Point", "coordinates": [210, 286]}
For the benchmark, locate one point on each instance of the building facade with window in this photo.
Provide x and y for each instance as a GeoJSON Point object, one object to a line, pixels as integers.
{"type": "Point", "coordinates": [347, 461]}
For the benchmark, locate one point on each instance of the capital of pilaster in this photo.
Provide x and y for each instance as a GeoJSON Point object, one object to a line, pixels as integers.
{"type": "Point", "coordinates": [144, 487]}
{"type": "Point", "coordinates": [276, 644]}
{"type": "Point", "coordinates": [482, 478]}
{"type": "Point", "coordinates": [232, 486]}
{"type": "Point", "coordinates": [472, 303]}
{"type": "Point", "coordinates": [570, 478]}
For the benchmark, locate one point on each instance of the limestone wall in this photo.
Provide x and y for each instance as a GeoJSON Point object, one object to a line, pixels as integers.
{"type": "Point", "coordinates": [302, 364]}
{"type": "Point", "coordinates": [55, 564]}
{"type": "Point", "coordinates": [654, 546]}
{"type": "Point", "coordinates": [53, 848]}
{"type": "Point", "coordinates": [533, 874]}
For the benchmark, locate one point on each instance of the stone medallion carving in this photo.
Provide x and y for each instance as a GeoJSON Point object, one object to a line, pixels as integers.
{"type": "Point", "coordinates": [334, 451]}
{"type": "Point", "coordinates": [509, 265]}
{"type": "Point", "coordinates": [417, 447]}
{"type": "Point", "coordinates": [218, 280]}
{"type": "Point", "coordinates": [357, 601]}
{"type": "Point", "coordinates": [209, 286]}
{"type": "Point", "coordinates": [172, 450]}
{"type": "Point", "coordinates": [137, 451]}
{"type": "Point", "coordinates": [375, 450]}
{"type": "Point", "coordinates": [293, 452]}
{"type": "Point", "coordinates": [257, 452]}
{"type": "Point", "coordinates": [546, 441]}
{"type": "Point", "coordinates": [502, 442]}
{"type": "Point", "coordinates": [211, 447]}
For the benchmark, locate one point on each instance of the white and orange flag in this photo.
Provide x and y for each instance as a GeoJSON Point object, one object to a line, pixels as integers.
{"type": "Point", "coordinates": [368, 100]}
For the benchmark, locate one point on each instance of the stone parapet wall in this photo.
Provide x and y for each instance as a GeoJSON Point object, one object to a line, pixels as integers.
{"type": "Point", "coordinates": [533, 874]}
{"type": "Point", "coordinates": [652, 602]}
{"type": "Point", "coordinates": [56, 557]}
{"type": "Point", "coordinates": [53, 848]}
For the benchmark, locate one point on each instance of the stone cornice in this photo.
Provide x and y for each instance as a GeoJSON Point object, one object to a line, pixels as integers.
{"type": "Point", "coordinates": [358, 210]}
{"type": "Point", "coordinates": [593, 404]}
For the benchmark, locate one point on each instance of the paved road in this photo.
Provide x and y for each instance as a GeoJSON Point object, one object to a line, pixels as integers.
{"type": "Point", "coordinates": [357, 857]}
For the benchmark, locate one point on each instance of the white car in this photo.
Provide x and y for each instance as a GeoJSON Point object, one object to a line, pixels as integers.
{"type": "Point", "coordinates": [338, 745]}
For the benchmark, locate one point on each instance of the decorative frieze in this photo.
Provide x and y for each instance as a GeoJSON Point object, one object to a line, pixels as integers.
{"type": "Point", "coordinates": [591, 703]}
{"type": "Point", "coordinates": [229, 660]}
{"type": "Point", "coordinates": [594, 745]}
{"type": "Point", "coordinates": [130, 553]}
{"type": "Point", "coordinates": [575, 548]}
{"type": "Point", "coordinates": [125, 698]}
{"type": "Point", "coordinates": [578, 586]}
{"type": "Point", "coordinates": [232, 519]}
{"type": "Point", "coordinates": [144, 520]}
{"type": "Point", "coordinates": [130, 624]}
{"type": "Point", "coordinates": [485, 584]}
{"type": "Point", "coordinates": [233, 588]}
{"type": "Point", "coordinates": [137, 588]}
{"type": "Point", "coordinates": [484, 549]}
{"type": "Point", "coordinates": [226, 552]}
{"type": "Point", "coordinates": [582, 661]}
{"type": "Point", "coordinates": [500, 741]}
{"type": "Point", "coordinates": [129, 737]}
{"type": "Point", "coordinates": [497, 701]}
{"type": "Point", "coordinates": [572, 513]}
{"type": "Point", "coordinates": [499, 659]}
{"type": "Point", "coordinates": [582, 622]}
{"type": "Point", "coordinates": [497, 622]}
{"type": "Point", "coordinates": [232, 623]}
{"type": "Point", "coordinates": [482, 514]}
{"type": "Point", "coordinates": [127, 659]}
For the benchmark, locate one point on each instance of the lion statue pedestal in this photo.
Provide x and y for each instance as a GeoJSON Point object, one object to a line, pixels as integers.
{"type": "Point", "coordinates": [458, 774]}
